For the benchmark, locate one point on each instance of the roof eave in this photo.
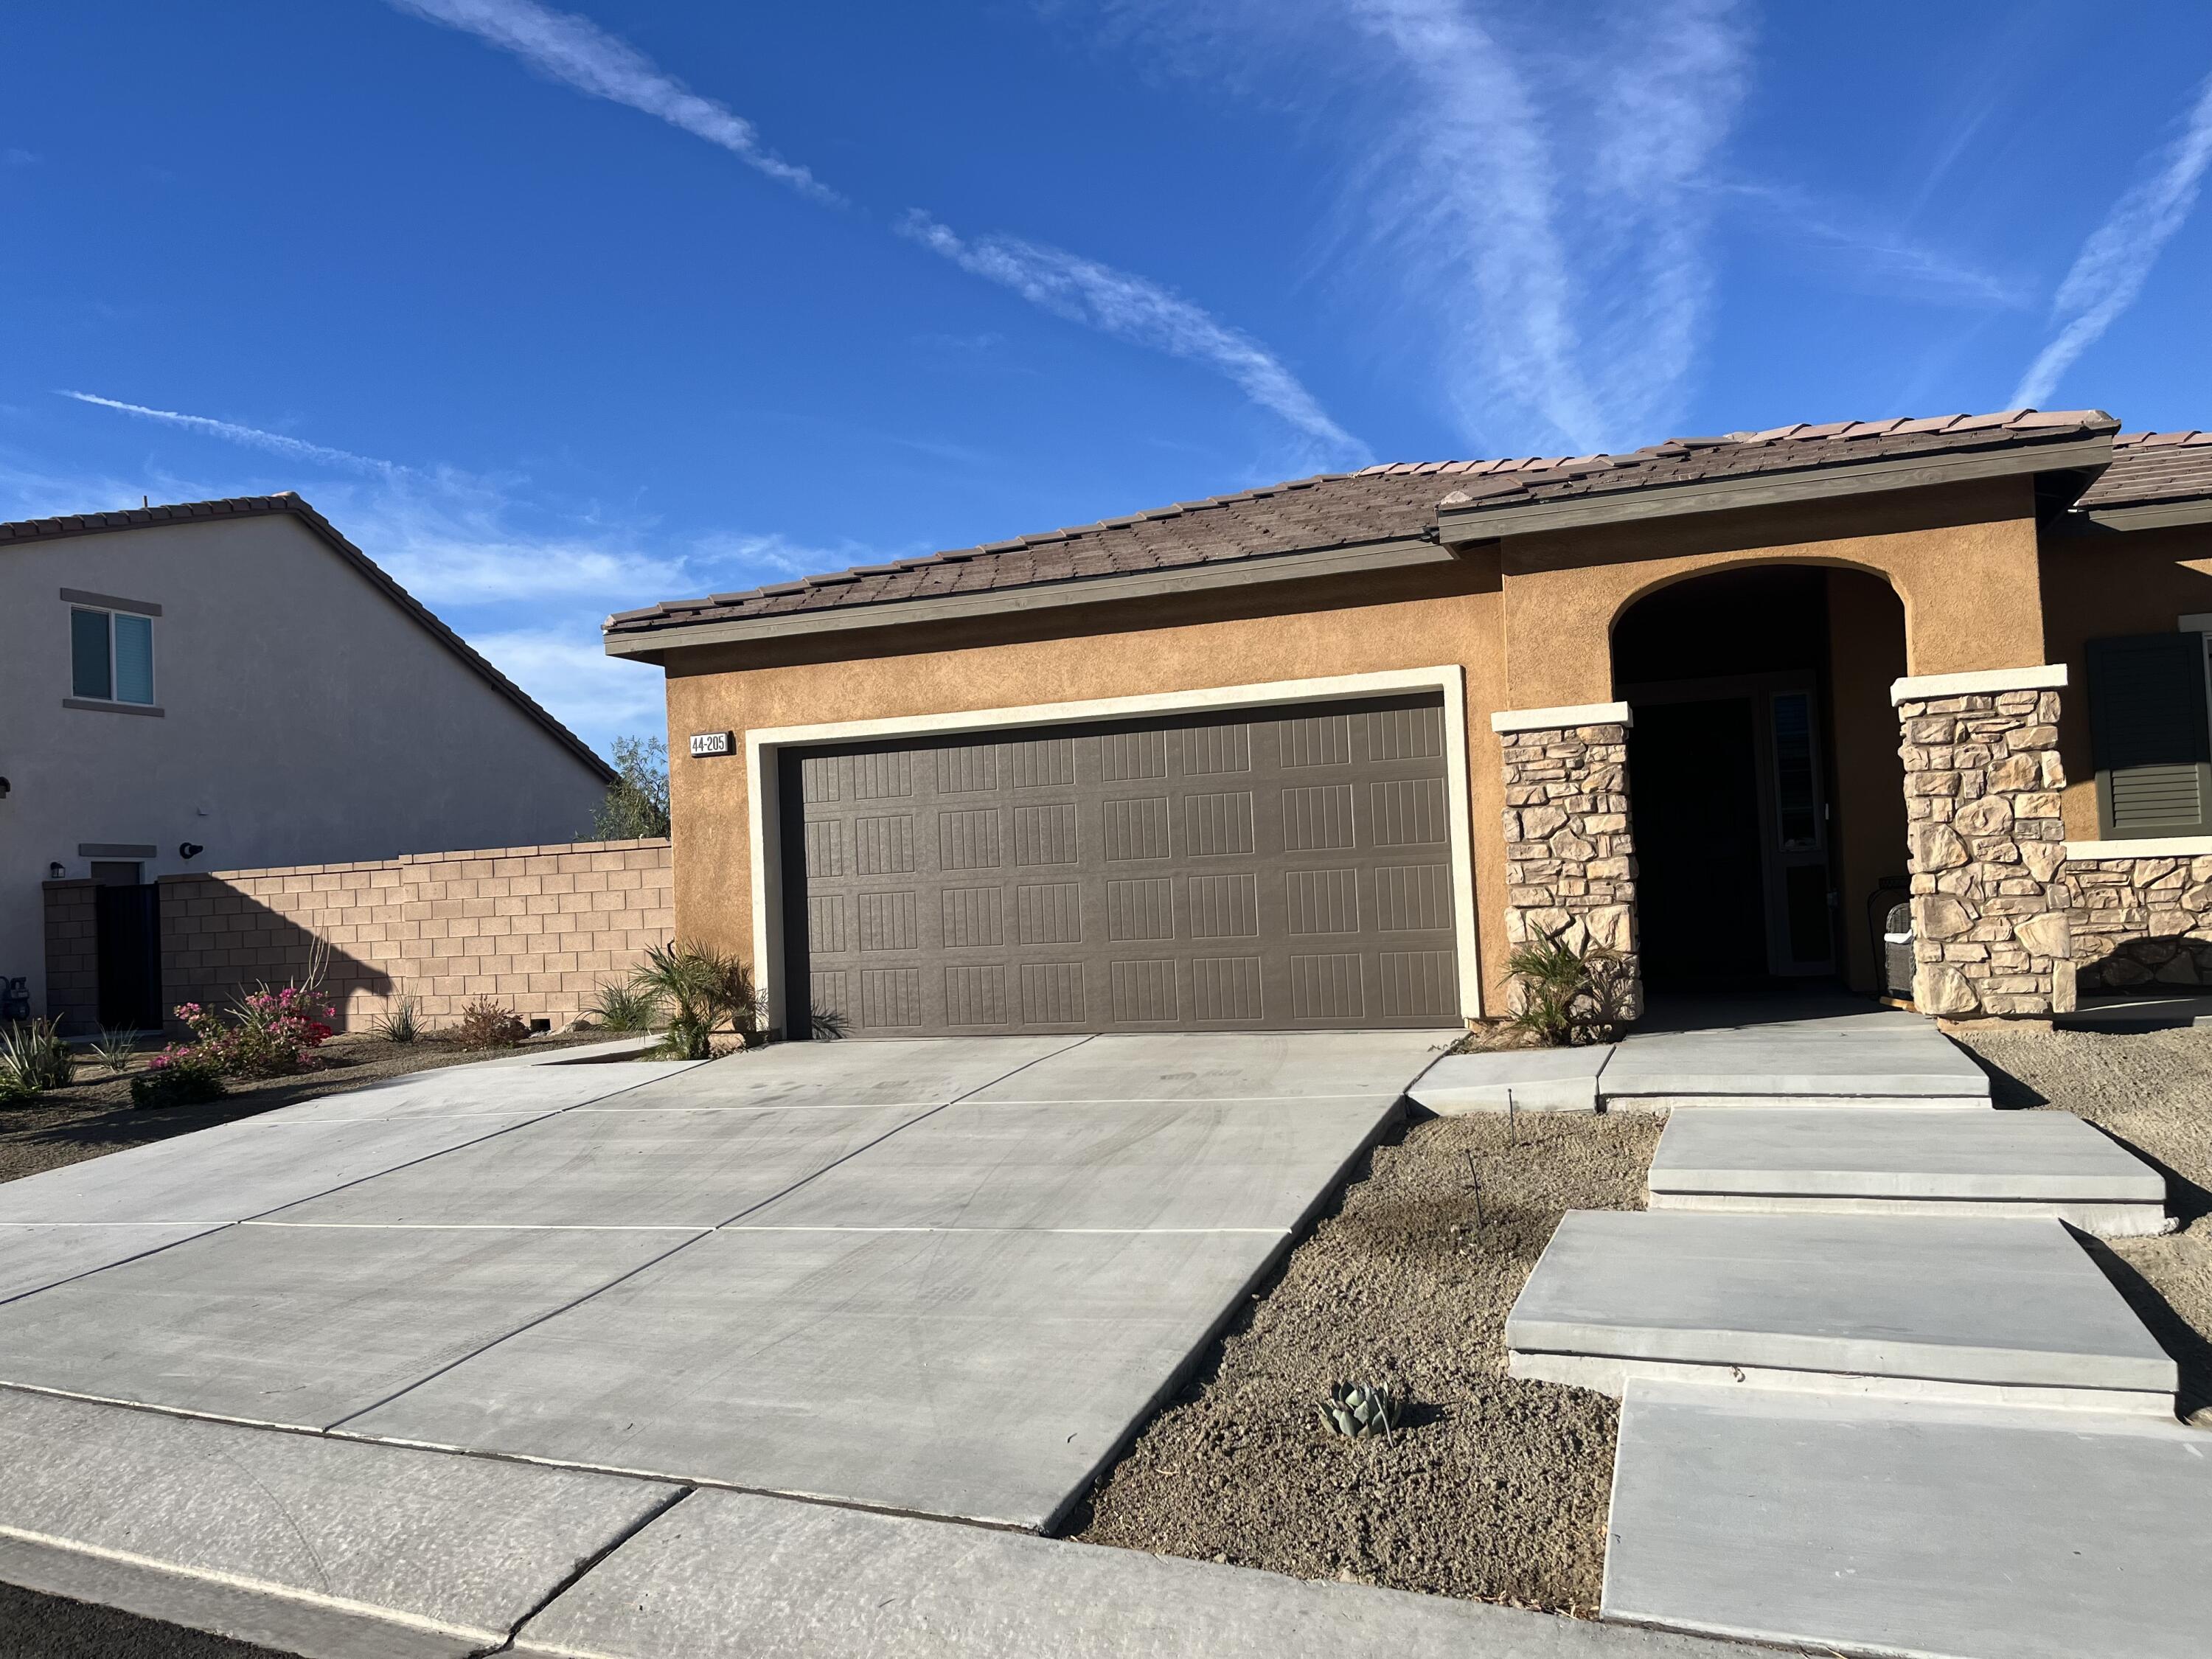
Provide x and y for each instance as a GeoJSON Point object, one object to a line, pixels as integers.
{"type": "Point", "coordinates": [2140, 515]}
{"type": "Point", "coordinates": [652, 645]}
{"type": "Point", "coordinates": [2086, 456]}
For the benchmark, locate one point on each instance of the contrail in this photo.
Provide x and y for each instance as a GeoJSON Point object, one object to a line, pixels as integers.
{"type": "Point", "coordinates": [577, 52]}
{"type": "Point", "coordinates": [276, 442]}
{"type": "Point", "coordinates": [2117, 260]}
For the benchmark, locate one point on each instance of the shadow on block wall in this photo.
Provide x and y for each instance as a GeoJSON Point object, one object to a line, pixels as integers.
{"type": "Point", "coordinates": [218, 943]}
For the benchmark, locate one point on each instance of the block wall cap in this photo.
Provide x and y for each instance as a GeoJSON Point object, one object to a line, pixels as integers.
{"type": "Point", "coordinates": [1571, 714]}
{"type": "Point", "coordinates": [1915, 688]}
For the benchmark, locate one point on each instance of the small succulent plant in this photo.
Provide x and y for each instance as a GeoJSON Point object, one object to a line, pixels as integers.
{"type": "Point", "coordinates": [1362, 1408]}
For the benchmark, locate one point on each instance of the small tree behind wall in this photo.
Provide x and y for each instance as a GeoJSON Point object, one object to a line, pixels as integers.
{"type": "Point", "coordinates": [636, 807]}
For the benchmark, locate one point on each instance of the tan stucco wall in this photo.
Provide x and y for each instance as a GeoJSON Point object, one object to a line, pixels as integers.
{"type": "Point", "coordinates": [1529, 624]}
{"type": "Point", "coordinates": [1414, 619]}
{"type": "Point", "coordinates": [1963, 560]}
{"type": "Point", "coordinates": [1866, 653]}
{"type": "Point", "coordinates": [2095, 587]}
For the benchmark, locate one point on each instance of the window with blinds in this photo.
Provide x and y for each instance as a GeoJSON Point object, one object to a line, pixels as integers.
{"type": "Point", "coordinates": [2151, 729]}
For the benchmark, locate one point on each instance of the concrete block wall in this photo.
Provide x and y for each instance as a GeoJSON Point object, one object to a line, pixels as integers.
{"type": "Point", "coordinates": [534, 928]}
{"type": "Point", "coordinates": [72, 956]}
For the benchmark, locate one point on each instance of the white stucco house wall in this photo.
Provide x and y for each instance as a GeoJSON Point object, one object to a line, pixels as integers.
{"type": "Point", "coordinates": [236, 677]}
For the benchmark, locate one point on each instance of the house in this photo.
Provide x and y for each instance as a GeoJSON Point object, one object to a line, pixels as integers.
{"type": "Point", "coordinates": [1325, 753]}
{"type": "Point", "coordinates": [232, 684]}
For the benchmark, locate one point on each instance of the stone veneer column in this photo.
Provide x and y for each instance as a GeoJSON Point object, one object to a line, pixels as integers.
{"type": "Point", "coordinates": [1571, 860]}
{"type": "Point", "coordinates": [1989, 898]}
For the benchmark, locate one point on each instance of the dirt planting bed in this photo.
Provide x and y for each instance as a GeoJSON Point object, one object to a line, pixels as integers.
{"type": "Point", "coordinates": [2152, 1090]}
{"type": "Point", "coordinates": [93, 1114]}
{"type": "Point", "coordinates": [1495, 1489]}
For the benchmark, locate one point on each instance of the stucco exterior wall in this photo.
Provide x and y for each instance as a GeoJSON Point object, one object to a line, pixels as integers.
{"type": "Point", "coordinates": [2096, 586]}
{"type": "Point", "coordinates": [306, 719]}
{"type": "Point", "coordinates": [1530, 624]}
{"type": "Point", "coordinates": [536, 929]}
{"type": "Point", "coordinates": [1963, 560]}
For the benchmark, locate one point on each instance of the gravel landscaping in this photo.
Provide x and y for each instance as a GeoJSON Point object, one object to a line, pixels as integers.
{"type": "Point", "coordinates": [2153, 1091]}
{"type": "Point", "coordinates": [1494, 1490]}
{"type": "Point", "coordinates": [93, 1114]}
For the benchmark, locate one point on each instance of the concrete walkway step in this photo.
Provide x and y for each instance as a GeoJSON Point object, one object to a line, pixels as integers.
{"type": "Point", "coordinates": [1999, 1311]}
{"type": "Point", "coordinates": [1839, 1159]}
{"type": "Point", "coordinates": [1526, 1080]}
{"type": "Point", "coordinates": [1872, 1057]}
{"type": "Point", "coordinates": [1851, 1525]}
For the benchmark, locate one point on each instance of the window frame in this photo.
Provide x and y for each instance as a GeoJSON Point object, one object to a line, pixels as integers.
{"type": "Point", "coordinates": [108, 609]}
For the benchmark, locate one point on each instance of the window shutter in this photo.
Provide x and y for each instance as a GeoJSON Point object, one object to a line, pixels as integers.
{"type": "Point", "coordinates": [2148, 724]}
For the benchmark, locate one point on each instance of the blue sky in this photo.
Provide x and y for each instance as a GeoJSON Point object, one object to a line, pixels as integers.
{"type": "Point", "coordinates": [561, 311]}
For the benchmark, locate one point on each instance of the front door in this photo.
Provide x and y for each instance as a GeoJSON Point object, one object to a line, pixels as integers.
{"type": "Point", "coordinates": [1730, 816]}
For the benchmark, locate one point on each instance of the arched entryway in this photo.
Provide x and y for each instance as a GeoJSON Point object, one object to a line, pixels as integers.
{"type": "Point", "coordinates": [1767, 795]}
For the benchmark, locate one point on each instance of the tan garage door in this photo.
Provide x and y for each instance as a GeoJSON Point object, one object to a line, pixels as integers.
{"type": "Point", "coordinates": [1269, 869]}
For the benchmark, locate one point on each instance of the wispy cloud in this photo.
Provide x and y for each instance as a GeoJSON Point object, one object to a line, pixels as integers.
{"type": "Point", "coordinates": [277, 443]}
{"type": "Point", "coordinates": [577, 52]}
{"type": "Point", "coordinates": [1542, 212]}
{"type": "Point", "coordinates": [2115, 261]}
{"type": "Point", "coordinates": [1553, 213]}
{"type": "Point", "coordinates": [1876, 254]}
{"type": "Point", "coordinates": [1138, 309]}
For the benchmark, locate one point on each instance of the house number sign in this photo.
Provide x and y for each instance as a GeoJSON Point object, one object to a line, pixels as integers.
{"type": "Point", "coordinates": [710, 742]}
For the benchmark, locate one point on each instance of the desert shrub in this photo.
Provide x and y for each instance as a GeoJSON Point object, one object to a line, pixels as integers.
{"type": "Point", "coordinates": [401, 1022]}
{"type": "Point", "coordinates": [178, 1076]}
{"type": "Point", "coordinates": [705, 993]}
{"type": "Point", "coordinates": [34, 1057]}
{"type": "Point", "coordinates": [1563, 996]}
{"type": "Point", "coordinates": [625, 1005]}
{"type": "Point", "coordinates": [486, 1025]}
{"type": "Point", "coordinates": [264, 1033]}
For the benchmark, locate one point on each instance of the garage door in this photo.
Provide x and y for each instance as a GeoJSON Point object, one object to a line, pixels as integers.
{"type": "Point", "coordinates": [1272, 869]}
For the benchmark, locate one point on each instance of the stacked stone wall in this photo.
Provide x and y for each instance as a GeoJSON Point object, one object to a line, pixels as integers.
{"type": "Point", "coordinates": [2140, 921]}
{"type": "Point", "coordinates": [1991, 901]}
{"type": "Point", "coordinates": [1571, 857]}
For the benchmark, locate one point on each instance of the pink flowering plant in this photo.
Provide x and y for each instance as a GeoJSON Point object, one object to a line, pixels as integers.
{"type": "Point", "coordinates": [266, 1034]}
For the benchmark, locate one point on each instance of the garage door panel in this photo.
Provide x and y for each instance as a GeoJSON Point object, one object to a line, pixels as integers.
{"type": "Point", "coordinates": [1231, 871]}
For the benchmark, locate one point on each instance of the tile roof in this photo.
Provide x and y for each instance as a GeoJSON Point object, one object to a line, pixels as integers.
{"type": "Point", "coordinates": [2151, 467]}
{"type": "Point", "coordinates": [1343, 509]}
{"type": "Point", "coordinates": [247, 507]}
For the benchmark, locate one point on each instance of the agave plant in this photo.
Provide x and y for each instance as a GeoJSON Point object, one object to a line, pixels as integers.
{"type": "Point", "coordinates": [401, 1023]}
{"type": "Point", "coordinates": [112, 1049]}
{"type": "Point", "coordinates": [1360, 1409]}
{"type": "Point", "coordinates": [35, 1057]}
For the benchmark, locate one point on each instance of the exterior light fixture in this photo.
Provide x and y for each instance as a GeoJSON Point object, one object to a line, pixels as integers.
{"type": "Point", "coordinates": [55, 871]}
{"type": "Point", "coordinates": [190, 849]}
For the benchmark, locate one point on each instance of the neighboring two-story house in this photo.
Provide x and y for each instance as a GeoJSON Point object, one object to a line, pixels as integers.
{"type": "Point", "coordinates": [233, 685]}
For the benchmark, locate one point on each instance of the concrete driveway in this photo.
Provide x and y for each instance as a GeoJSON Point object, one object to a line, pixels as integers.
{"type": "Point", "coordinates": [946, 1277]}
